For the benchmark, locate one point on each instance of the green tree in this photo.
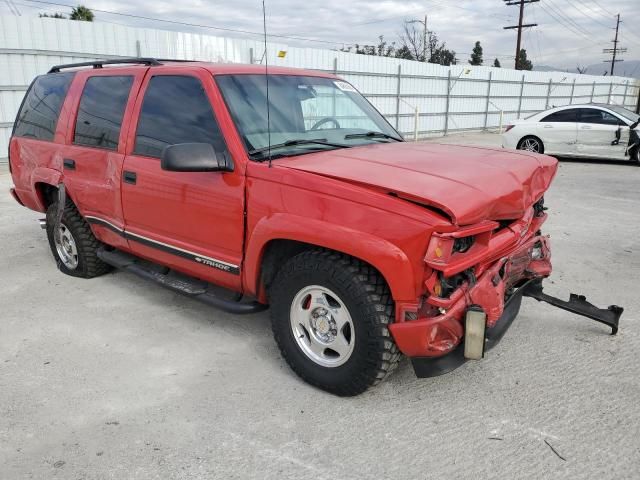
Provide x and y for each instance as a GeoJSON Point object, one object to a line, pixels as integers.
{"type": "Point", "coordinates": [82, 14]}
{"type": "Point", "coordinates": [382, 49]}
{"type": "Point", "coordinates": [51, 15]}
{"type": "Point", "coordinates": [476, 55]}
{"type": "Point", "coordinates": [496, 63]}
{"type": "Point", "coordinates": [443, 56]}
{"type": "Point", "coordinates": [522, 62]}
{"type": "Point", "coordinates": [404, 53]}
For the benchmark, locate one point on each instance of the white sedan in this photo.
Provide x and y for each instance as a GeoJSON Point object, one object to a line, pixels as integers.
{"type": "Point", "coordinates": [588, 131]}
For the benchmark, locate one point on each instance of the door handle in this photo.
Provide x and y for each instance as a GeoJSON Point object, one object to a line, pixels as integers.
{"type": "Point", "coordinates": [69, 164]}
{"type": "Point", "coordinates": [585, 127]}
{"type": "Point", "coordinates": [129, 177]}
{"type": "Point", "coordinates": [548, 126]}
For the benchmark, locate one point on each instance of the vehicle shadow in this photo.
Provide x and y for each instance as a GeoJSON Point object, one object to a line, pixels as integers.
{"type": "Point", "coordinates": [594, 161]}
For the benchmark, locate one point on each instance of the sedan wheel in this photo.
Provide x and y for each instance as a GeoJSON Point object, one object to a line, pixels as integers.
{"type": "Point", "coordinates": [530, 144]}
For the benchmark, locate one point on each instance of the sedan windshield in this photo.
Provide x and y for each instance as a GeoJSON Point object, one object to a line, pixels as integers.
{"type": "Point", "coordinates": [623, 112]}
{"type": "Point", "coordinates": [306, 114]}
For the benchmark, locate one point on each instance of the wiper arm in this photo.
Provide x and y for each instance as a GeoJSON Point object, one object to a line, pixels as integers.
{"type": "Point", "coordinates": [372, 134]}
{"type": "Point", "coordinates": [293, 143]}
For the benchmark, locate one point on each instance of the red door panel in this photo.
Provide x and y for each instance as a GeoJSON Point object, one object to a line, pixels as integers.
{"type": "Point", "coordinates": [192, 222]}
{"type": "Point", "coordinates": [92, 174]}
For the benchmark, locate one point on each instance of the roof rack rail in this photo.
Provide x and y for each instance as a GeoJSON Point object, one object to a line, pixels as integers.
{"type": "Point", "coordinates": [177, 60]}
{"type": "Point", "coordinates": [101, 63]}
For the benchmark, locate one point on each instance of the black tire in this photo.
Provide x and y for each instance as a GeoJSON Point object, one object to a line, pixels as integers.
{"type": "Point", "coordinates": [523, 141]}
{"type": "Point", "coordinates": [368, 300]}
{"type": "Point", "coordinates": [88, 263]}
{"type": "Point", "coordinates": [635, 156]}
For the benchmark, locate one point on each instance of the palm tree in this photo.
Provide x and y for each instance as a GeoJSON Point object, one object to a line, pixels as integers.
{"type": "Point", "coordinates": [81, 13]}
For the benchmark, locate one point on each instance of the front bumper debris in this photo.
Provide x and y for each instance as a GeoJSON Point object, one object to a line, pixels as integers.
{"type": "Point", "coordinates": [435, 336]}
{"type": "Point", "coordinates": [425, 367]}
{"type": "Point", "coordinates": [433, 366]}
{"type": "Point", "coordinates": [577, 304]}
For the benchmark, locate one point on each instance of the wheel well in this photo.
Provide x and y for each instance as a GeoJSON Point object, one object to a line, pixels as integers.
{"type": "Point", "coordinates": [278, 252]}
{"type": "Point", "coordinates": [48, 193]}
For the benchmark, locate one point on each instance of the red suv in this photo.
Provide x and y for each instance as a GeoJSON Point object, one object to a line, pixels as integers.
{"type": "Point", "coordinates": [291, 191]}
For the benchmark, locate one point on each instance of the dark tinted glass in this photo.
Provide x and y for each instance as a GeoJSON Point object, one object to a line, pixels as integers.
{"type": "Point", "coordinates": [562, 116]}
{"type": "Point", "coordinates": [175, 110]}
{"type": "Point", "coordinates": [593, 115]}
{"type": "Point", "coordinates": [40, 110]}
{"type": "Point", "coordinates": [101, 110]}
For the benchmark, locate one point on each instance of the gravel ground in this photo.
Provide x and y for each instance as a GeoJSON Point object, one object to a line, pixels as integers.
{"type": "Point", "coordinates": [117, 378]}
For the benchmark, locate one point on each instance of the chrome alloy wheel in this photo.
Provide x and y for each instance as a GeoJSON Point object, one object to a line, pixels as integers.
{"type": "Point", "coordinates": [66, 247]}
{"type": "Point", "coordinates": [322, 326]}
{"type": "Point", "coordinates": [530, 145]}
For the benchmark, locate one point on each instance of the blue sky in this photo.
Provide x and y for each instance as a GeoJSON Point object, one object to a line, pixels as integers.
{"type": "Point", "coordinates": [570, 32]}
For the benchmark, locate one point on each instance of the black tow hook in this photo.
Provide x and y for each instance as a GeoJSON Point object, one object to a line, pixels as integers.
{"type": "Point", "coordinates": [577, 304]}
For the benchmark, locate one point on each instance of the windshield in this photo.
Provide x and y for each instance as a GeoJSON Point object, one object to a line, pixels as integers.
{"type": "Point", "coordinates": [623, 112]}
{"type": "Point", "coordinates": [306, 114]}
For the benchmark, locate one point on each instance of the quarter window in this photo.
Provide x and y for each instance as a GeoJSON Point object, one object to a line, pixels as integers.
{"type": "Point", "coordinates": [101, 110]}
{"type": "Point", "coordinates": [38, 116]}
{"type": "Point", "coordinates": [175, 110]}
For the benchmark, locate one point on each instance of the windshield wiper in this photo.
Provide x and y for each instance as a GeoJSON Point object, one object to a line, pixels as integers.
{"type": "Point", "coordinates": [372, 134]}
{"type": "Point", "coordinates": [293, 143]}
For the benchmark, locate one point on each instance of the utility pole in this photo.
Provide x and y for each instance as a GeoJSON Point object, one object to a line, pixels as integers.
{"type": "Point", "coordinates": [520, 26]}
{"type": "Point", "coordinates": [615, 50]}
{"type": "Point", "coordinates": [425, 34]}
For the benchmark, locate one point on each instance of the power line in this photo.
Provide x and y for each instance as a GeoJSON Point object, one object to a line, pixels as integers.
{"type": "Point", "coordinates": [549, 10]}
{"type": "Point", "coordinates": [602, 8]}
{"type": "Point", "coordinates": [567, 19]}
{"type": "Point", "coordinates": [175, 22]}
{"type": "Point", "coordinates": [437, 3]}
{"type": "Point", "coordinates": [590, 17]}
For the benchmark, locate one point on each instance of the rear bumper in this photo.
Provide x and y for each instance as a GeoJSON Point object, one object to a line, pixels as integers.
{"type": "Point", "coordinates": [433, 366]}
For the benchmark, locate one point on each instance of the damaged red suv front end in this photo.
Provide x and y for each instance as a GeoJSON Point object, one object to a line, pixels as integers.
{"type": "Point", "coordinates": [483, 267]}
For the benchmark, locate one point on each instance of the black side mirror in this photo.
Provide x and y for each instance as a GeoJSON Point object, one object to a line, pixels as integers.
{"type": "Point", "coordinates": [194, 157]}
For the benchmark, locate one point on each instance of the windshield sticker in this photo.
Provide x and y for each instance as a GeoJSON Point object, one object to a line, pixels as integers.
{"type": "Point", "coordinates": [344, 86]}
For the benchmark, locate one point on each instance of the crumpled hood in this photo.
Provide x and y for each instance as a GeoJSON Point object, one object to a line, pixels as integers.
{"type": "Point", "coordinates": [470, 184]}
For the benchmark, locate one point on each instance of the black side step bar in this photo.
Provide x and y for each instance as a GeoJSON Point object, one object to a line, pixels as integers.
{"type": "Point", "coordinates": [177, 282]}
{"type": "Point", "coordinates": [577, 304]}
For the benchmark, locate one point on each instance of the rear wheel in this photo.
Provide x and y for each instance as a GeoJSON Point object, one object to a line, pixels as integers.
{"type": "Point", "coordinates": [635, 156]}
{"type": "Point", "coordinates": [531, 144]}
{"type": "Point", "coordinates": [73, 245]}
{"type": "Point", "coordinates": [330, 315]}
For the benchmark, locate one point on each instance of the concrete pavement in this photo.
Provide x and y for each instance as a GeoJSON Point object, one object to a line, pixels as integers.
{"type": "Point", "coordinates": [115, 378]}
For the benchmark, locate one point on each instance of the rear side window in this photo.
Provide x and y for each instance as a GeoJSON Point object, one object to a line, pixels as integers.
{"type": "Point", "coordinates": [562, 116]}
{"type": "Point", "coordinates": [101, 111]}
{"type": "Point", "coordinates": [40, 110]}
{"type": "Point", "coordinates": [175, 110]}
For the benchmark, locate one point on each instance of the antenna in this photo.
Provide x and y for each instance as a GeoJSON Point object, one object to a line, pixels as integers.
{"type": "Point", "coordinates": [266, 76]}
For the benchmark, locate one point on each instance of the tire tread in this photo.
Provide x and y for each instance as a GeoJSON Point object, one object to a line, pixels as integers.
{"type": "Point", "coordinates": [366, 285]}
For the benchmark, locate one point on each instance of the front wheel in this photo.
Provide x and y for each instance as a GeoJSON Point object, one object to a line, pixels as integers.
{"type": "Point", "coordinates": [330, 315]}
{"type": "Point", "coordinates": [531, 144]}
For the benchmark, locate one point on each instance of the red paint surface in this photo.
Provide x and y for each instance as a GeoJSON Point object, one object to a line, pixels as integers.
{"type": "Point", "coordinates": [337, 199]}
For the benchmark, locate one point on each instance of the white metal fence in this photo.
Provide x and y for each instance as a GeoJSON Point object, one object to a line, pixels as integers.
{"type": "Point", "coordinates": [420, 98]}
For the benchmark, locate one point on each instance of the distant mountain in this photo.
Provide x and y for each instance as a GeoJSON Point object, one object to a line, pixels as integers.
{"type": "Point", "coordinates": [628, 68]}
